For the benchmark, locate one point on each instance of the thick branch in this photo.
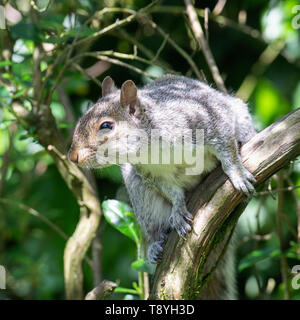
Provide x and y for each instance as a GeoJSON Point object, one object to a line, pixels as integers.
{"type": "Point", "coordinates": [90, 212]}
{"type": "Point", "coordinates": [82, 186]}
{"type": "Point", "coordinates": [216, 207]}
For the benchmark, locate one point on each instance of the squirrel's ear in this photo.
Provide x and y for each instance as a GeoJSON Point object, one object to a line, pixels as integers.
{"type": "Point", "coordinates": [129, 98]}
{"type": "Point", "coordinates": [108, 86]}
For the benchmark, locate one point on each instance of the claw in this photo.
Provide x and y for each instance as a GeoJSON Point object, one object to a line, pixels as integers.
{"type": "Point", "coordinates": [241, 181]}
{"type": "Point", "coordinates": [178, 223]}
{"type": "Point", "coordinates": [155, 252]}
{"type": "Point", "coordinates": [188, 216]}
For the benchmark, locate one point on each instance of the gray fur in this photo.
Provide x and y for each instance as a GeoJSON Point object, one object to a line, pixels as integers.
{"type": "Point", "coordinates": [172, 105]}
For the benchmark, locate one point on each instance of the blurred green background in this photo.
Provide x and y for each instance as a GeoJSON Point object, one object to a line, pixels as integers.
{"type": "Point", "coordinates": [256, 44]}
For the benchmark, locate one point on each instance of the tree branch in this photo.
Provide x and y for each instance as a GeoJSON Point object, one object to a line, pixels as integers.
{"type": "Point", "coordinates": [83, 188]}
{"type": "Point", "coordinates": [197, 29]}
{"type": "Point", "coordinates": [279, 223]}
{"type": "Point", "coordinates": [102, 291]}
{"type": "Point", "coordinates": [171, 42]}
{"type": "Point", "coordinates": [187, 265]}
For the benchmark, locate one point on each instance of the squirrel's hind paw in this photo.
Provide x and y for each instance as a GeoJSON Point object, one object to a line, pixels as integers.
{"type": "Point", "coordinates": [155, 251]}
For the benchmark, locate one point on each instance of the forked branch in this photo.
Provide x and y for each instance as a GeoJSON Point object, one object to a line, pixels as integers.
{"type": "Point", "coordinates": [216, 206]}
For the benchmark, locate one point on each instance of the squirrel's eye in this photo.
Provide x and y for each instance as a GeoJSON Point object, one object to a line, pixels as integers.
{"type": "Point", "coordinates": [106, 125]}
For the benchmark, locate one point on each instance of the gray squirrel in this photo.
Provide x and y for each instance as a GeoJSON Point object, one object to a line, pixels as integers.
{"type": "Point", "coordinates": [172, 106]}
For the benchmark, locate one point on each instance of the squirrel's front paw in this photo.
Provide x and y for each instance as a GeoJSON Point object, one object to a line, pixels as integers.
{"type": "Point", "coordinates": [155, 251]}
{"type": "Point", "coordinates": [242, 181]}
{"type": "Point", "coordinates": [178, 222]}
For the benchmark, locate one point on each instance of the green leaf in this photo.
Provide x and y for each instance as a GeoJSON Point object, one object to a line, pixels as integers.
{"type": "Point", "coordinates": [82, 31]}
{"type": "Point", "coordinates": [5, 63]}
{"type": "Point", "coordinates": [293, 251]}
{"type": "Point", "coordinates": [154, 71]}
{"type": "Point", "coordinates": [63, 125]}
{"type": "Point", "coordinates": [18, 94]}
{"type": "Point", "coordinates": [292, 255]}
{"type": "Point", "coordinates": [4, 93]}
{"type": "Point", "coordinates": [142, 265]}
{"type": "Point", "coordinates": [58, 110]}
{"type": "Point", "coordinates": [23, 137]}
{"type": "Point", "coordinates": [6, 75]}
{"type": "Point", "coordinates": [121, 217]}
{"type": "Point", "coordinates": [270, 103]}
{"type": "Point", "coordinates": [112, 173]}
{"type": "Point", "coordinates": [135, 286]}
{"type": "Point", "coordinates": [257, 256]}
{"type": "Point", "coordinates": [26, 31]}
{"type": "Point", "coordinates": [54, 22]}
{"type": "Point", "coordinates": [125, 290]}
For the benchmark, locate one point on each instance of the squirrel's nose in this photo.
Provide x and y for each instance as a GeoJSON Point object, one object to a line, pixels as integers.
{"type": "Point", "coordinates": [73, 155]}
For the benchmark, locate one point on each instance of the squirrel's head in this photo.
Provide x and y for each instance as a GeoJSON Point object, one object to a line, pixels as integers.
{"type": "Point", "coordinates": [104, 128]}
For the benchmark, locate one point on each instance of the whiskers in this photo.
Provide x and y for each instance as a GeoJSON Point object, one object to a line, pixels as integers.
{"type": "Point", "coordinates": [90, 161]}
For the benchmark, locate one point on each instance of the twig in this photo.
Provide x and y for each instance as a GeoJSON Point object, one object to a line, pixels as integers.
{"type": "Point", "coordinates": [259, 285]}
{"type": "Point", "coordinates": [206, 16]}
{"type": "Point", "coordinates": [66, 102]}
{"type": "Point", "coordinates": [6, 156]}
{"type": "Point", "coordinates": [82, 186]}
{"type": "Point", "coordinates": [146, 51]}
{"type": "Point", "coordinates": [219, 7]}
{"type": "Point", "coordinates": [260, 204]}
{"type": "Point", "coordinates": [118, 23]}
{"type": "Point", "coordinates": [182, 52]}
{"type": "Point", "coordinates": [205, 47]}
{"type": "Point", "coordinates": [160, 49]}
{"type": "Point", "coordinates": [224, 21]}
{"type": "Point", "coordinates": [120, 55]}
{"type": "Point", "coordinates": [98, 68]}
{"type": "Point", "coordinates": [78, 67]}
{"type": "Point", "coordinates": [37, 80]}
{"type": "Point", "coordinates": [102, 291]}
{"type": "Point", "coordinates": [50, 224]}
{"type": "Point", "coordinates": [36, 214]}
{"type": "Point", "coordinates": [94, 36]}
{"type": "Point", "coordinates": [259, 67]}
{"type": "Point", "coordinates": [219, 19]}
{"type": "Point", "coordinates": [283, 261]}
{"type": "Point", "coordinates": [297, 202]}
{"type": "Point", "coordinates": [69, 49]}
{"type": "Point", "coordinates": [146, 275]}
{"type": "Point", "coordinates": [290, 188]}
{"type": "Point", "coordinates": [61, 156]}
{"type": "Point", "coordinates": [114, 61]}
{"type": "Point", "coordinates": [252, 236]}
{"type": "Point", "coordinates": [126, 65]}
{"type": "Point", "coordinates": [271, 193]}
{"type": "Point", "coordinates": [258, 230]}
{"type": "Point", "coordinates": [289, 226]}
{"type": "Point", "coordinates": [96, 254]}
{"type": "Point", "coordinates": [123, 56]}
{"type": "Point", "coordinates": [37, 73]}
{"type": "Point", "coordinates": [256, 237]}
{"type": "Point", "coordinates": [33, 4]}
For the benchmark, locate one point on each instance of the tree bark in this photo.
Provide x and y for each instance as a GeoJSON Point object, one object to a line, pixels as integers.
{"type": "Point", "coordinates": [83, 187]}
{"type": "Point", "coordinates": [188, 265]}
